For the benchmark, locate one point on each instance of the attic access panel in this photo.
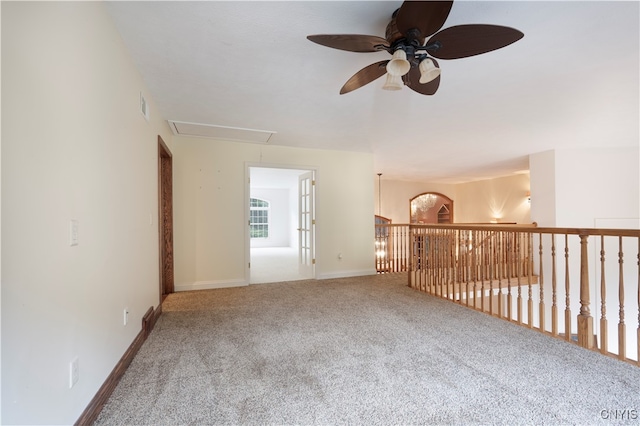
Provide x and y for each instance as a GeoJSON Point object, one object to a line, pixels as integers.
{"type": "Point", "coordinates": [223, 133]}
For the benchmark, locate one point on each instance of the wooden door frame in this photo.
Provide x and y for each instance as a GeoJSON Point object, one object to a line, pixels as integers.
{"type": "Point", "coordinates": [165, 219]}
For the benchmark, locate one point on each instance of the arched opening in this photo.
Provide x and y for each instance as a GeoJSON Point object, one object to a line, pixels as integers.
{"type": "Point", "coordinates": [431, 207]}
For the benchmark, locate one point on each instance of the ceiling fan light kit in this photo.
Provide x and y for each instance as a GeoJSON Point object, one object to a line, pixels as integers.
{"type": "Point", "coordinates": [413, 61]}
{"type": "Point", "coordinates": [398, 65]}
{"type": "Point", "coordinates": [428, 71]}
{"type": "Point", "coordinates": [393, 82]}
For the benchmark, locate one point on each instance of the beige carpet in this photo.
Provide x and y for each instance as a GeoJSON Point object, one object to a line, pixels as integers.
{"type": "Point", "coordinates": [359, 351]}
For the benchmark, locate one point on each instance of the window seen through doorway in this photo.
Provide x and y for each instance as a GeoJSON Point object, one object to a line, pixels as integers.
{"type": "Point", "coordinates": [258, 218]}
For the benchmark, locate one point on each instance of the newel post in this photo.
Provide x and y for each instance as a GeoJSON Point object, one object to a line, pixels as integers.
{"type": "Point", "coordinates": [585, 320]}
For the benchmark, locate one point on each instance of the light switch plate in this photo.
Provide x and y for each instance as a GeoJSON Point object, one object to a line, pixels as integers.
{"type": "Point", "coordinates": [73, 232]}
{"type": "Point", "coordinates": [74, 372]}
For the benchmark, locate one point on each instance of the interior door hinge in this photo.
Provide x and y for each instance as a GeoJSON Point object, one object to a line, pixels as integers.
{"type": "Point", "coordinates": [249, 265]}
{"type": "Point", "coordinates": [313, 183]}
{"type": "Point", "coordinates": [313, 222]}
{"type": "Point", "coordinates": [313, 261]}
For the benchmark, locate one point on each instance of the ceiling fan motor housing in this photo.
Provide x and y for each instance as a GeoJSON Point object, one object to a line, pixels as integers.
{"type": "Point", "coordinates": [392, 34]}
{"type": "Point", "coordinates": [407, 42]}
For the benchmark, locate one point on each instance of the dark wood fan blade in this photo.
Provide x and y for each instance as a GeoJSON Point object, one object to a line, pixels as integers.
{"type": "Point", "coordinates": [365, 76]}
{"type": "Point", "coordinates": [350, 42]}
{"type": "Point", "coordinates": [427, 16]}
{"type": "Point", "coordinates": [462, 41]}
{"type": "Point", "coordinates": [412, 81]}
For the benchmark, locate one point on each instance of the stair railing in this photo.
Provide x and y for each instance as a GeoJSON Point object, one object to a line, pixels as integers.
{"type": "Point", "coordinates": [541, 278]}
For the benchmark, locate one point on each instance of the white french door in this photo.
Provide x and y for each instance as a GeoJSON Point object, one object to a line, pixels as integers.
{"type": "Point", "coordinates": [306, 223]}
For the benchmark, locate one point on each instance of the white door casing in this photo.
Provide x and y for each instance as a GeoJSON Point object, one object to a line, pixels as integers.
{"type": "Point", "coordinates": [306, 223]}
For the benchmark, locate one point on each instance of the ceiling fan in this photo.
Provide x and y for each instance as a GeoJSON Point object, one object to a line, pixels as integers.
{"type": "Point", "coordinates": [413, 60]}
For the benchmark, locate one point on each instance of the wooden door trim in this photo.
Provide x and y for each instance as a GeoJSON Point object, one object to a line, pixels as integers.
{"type": "Point", "coordinates": [165, 219]}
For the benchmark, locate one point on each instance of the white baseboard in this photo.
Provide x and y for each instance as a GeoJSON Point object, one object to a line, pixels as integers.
{"type": "Point", "coordinates": [207, 285]}
{"type": "Point", "coordinates": [346, 274]}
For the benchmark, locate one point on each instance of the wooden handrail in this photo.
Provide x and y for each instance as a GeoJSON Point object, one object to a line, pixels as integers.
{"type": "Point", "coordinates": [536, 229]}
{"type": "Point", "coordinates": [490, 267]}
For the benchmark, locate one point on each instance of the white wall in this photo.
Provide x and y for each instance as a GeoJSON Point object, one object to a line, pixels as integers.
{"type": "Point", "coordinates": [576, 187]}
{"type": "Point", "coordinates": [596, 183]}
{"type": "Point", "coordinates": [75, 146]}
{"type": "Point", "coordinates": [588, 188]}
{"type": "Point", "coordinates": [210, 194]}
{"type": "Point", "coordinates": [542, 169]}
{"type": "Point", "coordinates": [279, 217]}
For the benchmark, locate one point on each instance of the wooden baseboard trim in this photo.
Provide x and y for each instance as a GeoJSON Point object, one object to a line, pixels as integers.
{"type": "Point", "coordinates": [90, 414]}
{"type": "Point", "coordinates": [156, 315]}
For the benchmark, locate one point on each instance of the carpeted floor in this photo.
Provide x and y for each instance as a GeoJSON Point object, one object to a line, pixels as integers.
{"type": "Point", "coordinates": [365, 350]}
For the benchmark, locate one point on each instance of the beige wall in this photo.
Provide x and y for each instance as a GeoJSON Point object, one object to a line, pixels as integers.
{"type": "Point", "coordinates": [503, 198]}
{"type": "Point", "coordinates": [395, 196]}
{"type": "Point", "coordinates": [74, 146]}
{"type": "Point", "coordinates": [210, 194]}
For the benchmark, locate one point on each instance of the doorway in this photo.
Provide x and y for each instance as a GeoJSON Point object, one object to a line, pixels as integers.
{"type": "Point", "coordinates": [165, 218]}
{"type": "Point", "coordinates": [281, 223]}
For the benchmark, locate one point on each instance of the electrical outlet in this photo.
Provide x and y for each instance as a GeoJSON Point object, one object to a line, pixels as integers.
{"type": "Point", "coordinates": [126, 316]}
{"type": "Point", "coordinates": [74, 372]}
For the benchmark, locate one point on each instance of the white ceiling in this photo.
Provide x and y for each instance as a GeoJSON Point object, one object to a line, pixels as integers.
{"type": "Point", "coordinates": [572, 81]}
